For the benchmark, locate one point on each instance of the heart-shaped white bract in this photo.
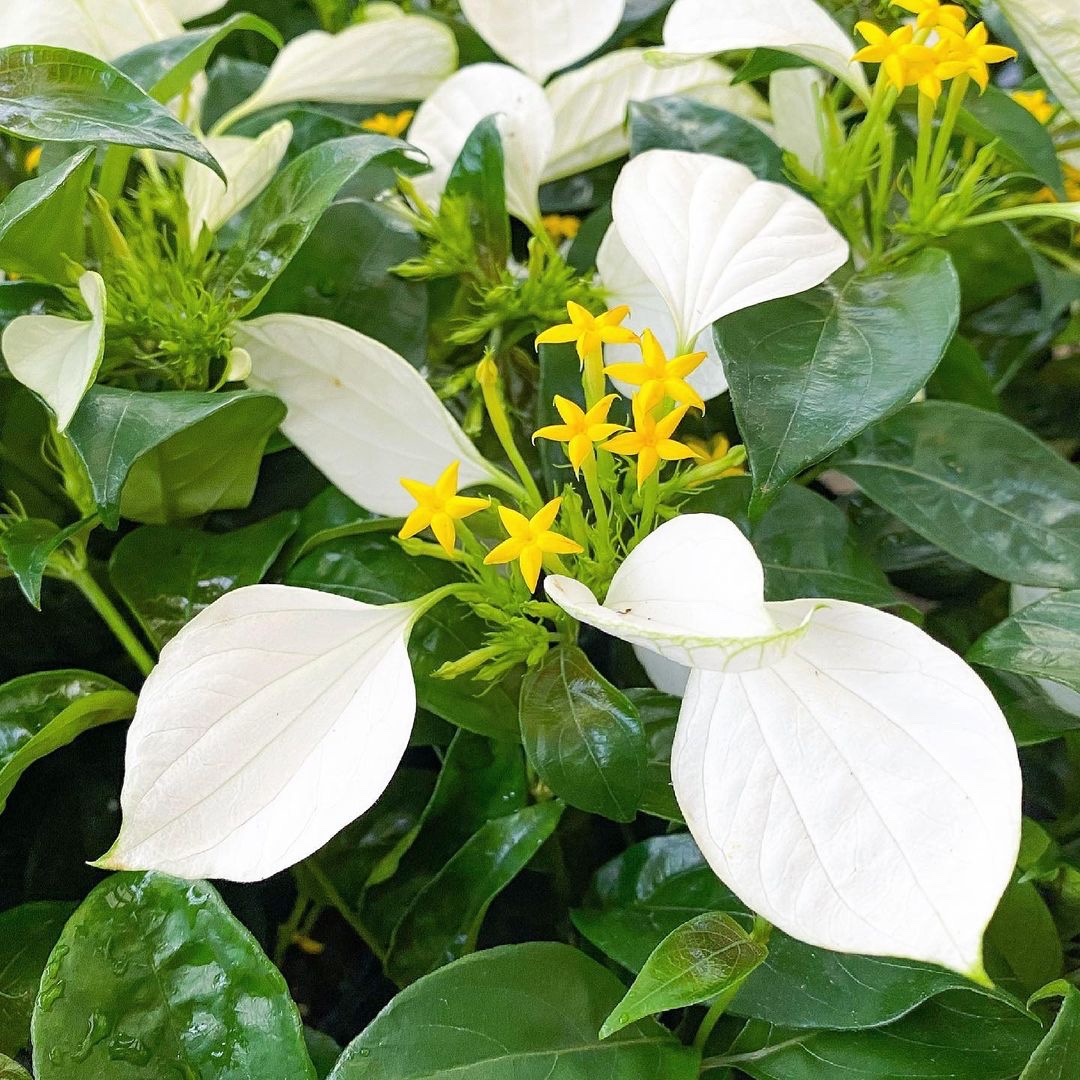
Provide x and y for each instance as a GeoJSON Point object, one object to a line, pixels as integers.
{"type": "Point", "coordinates": [249, 165]}
{"type": "Point", "coordinates": [857, 784]}
{"type": "Point", "coordinates": [714, 239]}
{"type": "Point", "coordinates": [590, 103]}
{"type": "Point", "coordinates": [371, 63]}
{"type": "Point", "coordinates": [59, 358]}
{"type": "Point", "coordinates": [1050, 32]}
{"type": "Point", "coordinates": [363, 414]}
{"type": "Point", "coordinates": [543, 36]}
{"type": "Point", "coordinates": [187, 10]}
{"type": "Point", "coordinates": [102, 28]}
{"type": "Point", "coordinates": [794, 94]}
{"type": "Point", "coordinates": [273, 719]}
{"type": "Point", "coordinates": [802, 27]}
{"type": "Point", "coordinates": [446, 120]}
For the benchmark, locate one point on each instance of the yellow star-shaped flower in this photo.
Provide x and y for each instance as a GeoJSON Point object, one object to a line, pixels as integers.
{"type": "Point", "coordinates": [658, 377]}
{"type": "Point", "coordinates": [438, 507]}
{"type": "Point", "coordinates": [1036, 102]}
{"type": "Point", "coordinates": [589, 331]}
{"type": "Point", "coordinates": [651, 440]}
{"type": "Point", "coordinates": [561, 226]}
{"type": "Point", "coordinates": [530, 540]}
{"type": "Point", "coordinates": [933, 15]}
{"type": "Point", "coordinates": [580, 430]}
{"type": "Point", "coordinates": [971, 55]}
{"type": "Point", "coordinates": [904, 62]}
{"type": "Point", "coordinates": [716, 448]}
{"type": "Point", "coordinates": [384, 124]}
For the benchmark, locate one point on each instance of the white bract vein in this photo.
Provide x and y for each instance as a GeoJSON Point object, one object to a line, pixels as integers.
{"type": "Point", "coordinates": [363, 414]}
{"type": "Point", "coordinates": [704, 27]}
{"type": "Point", "coordinates": [59, 358]}
{"type": "Point", "coordinates": [543, 36]}
{"type": "Point", "coordinates": [851, 779]}
{"type": "Point", "coordinates": [273, 719]}
{"type": "Point", "coordinates": [714, 239]}
{"type": "Point", "coordinates": [103, 28]}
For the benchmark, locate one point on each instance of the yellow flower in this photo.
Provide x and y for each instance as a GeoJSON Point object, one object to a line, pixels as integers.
{"type": "Point", "coordinates": [651, 440]}
{"type": "Point", "coordinates": [530, 540]}
{"type": "Point", "coordinates": [384, 124]}
{"type": "Point", "coordinates": [1072, 183]}
{"type": "Point", "coordinates": [971, 55]}
{"type": "Point", "coordinates": [438, 507]}
{"type": "Point", "coordinates": [904, 62]}
{"type": "Point", "coordinates": [580, 429]}
{"type": "Point", "coordinates": [589, 331]}
{"type": "Point", "coordinates": [33, 159]}
{"type": "Point", "coordinates": [561, 226]}
{"type": "Point", "coordinates": [660, 377]}
{"type": "Point", "coordinates": [933, 15]}
{"type": "Point", "coordinates": [713, 450]}
{"type": "Point", "coordinates": [1036, 103]}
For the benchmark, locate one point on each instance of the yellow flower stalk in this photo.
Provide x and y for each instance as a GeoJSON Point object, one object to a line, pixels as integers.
{"type": "Point", "coordinates": [439, 507]}
{"type": "Point", "coordinates": [384, 124]}
{"type": "Point", "coordinates": [934, 15]}
{"type": "Point", "coordinates": [530, 539]}
{"type": "Point", "coordinates": [971, 55]}
{"type": "Point", "coordinates": [1036, 102]}
{"type": "Point", "coordinates": [651, 440]}
{"type": "Point", "coordinates": [580, 430]}
{"type": "Point", "coordinates": [658, 377]}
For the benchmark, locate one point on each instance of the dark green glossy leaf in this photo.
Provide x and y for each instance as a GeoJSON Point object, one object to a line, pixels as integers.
{"type": "Point", "coordinates": [323, 1051]}
{"type": "Point", "coordinates": [444, 919]}
{"type": "Point", "coordinates": [165, 68]}
{"type": "Point", "coordinates": [583, 737]}
{"type": "Point", "coordinates": [1057, 1057]}
{"type": "Point", "coordinates": [332, 516]}
{"type": "Point", "coordinates": [761, 63]}
{"type": "Point", "coordinates": [168, 575]}
{"type": "Point", "coordinates": [172, 455]}
{"type": "Point", "coordinates": [42, 231]}
{"type": "Point", "coordinates": [807, 373]}
{"type": "Point", "coordinates": [24, 298]}
{"type": "Point", "coordinates": [962, 376]}
{"type": "Point", "coordinates": [1022, 950]}
{"type": "Point", "coordinates": [659, 713]}
{"type": "Point", "coordinates": [288, 209]}
{"type": "Point", "coordinates": [1042, 639]}
{"type": "Point", "coordinates": [27, 545]}
{"type": "Point", "coordinates": [374, 569]}
{"type": "Point", "coordinates": [530, 1012]}
{"type": "Point", "coordinates": [681, 123]}
{"type": "Point", "coordinates": [27, 936]}
{"type": "Point", "coordinates": [49, 94]}
{"type": "Point", "coordinates": [155, 973]}
{"type": "Point", "coordinates": [991, 261]}
{"type": "Point", "coordinates": [696, 962]}
{"type": "Point", "coordinates": [979, 486]}
{"type": "Point", "coordinates": [477, 178]}
{"type": "Point", "coordinates": [12, 1070]}
{"type": "Point", "coordinates": [39, 713]}
{"type": "Point", "coordinates": [1033, 716]}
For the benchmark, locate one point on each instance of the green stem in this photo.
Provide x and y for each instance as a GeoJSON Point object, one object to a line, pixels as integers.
{"type": "Point", "coordinates": [85, 582]}
{"type": "Point", "coordinates": [592, 379]}
{"type": "Point", "coordinates": [500, 422]}
{"type": "Point", "coordinates": [948, 125]}
{"type": "Point", "coordinates": [289, 929]}
{"type": "Point", "coordinates": [716, 1011]}
{"type": "Point", "coordinates": [920, 196]}
{"type": "Point", "coordinates": [650, 494]}
{"type": "Point", "coordinates": [599, 504]}
{"type": "Point", "coordinates": [114, 173]}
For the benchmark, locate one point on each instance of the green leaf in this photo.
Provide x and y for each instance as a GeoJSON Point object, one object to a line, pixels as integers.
{"type": "Point", "coordinates": [28, 544]}
{"type": "Point", "coordinates": [807, 373]}
{"type": "Point", "coordinates": [24, 298]}
{"type": "Point", "coordinates": [168, 575]}
{"type": "Point", "coordinates": [583, 737]}
{"type": "Point", "coordinates": [41, 712]}
{"type": "Point", "coordinates": [962, 376]}
{"type": "Point", "coordinates": [41, 222]}
{"type": "Point", "coordinates": [323, 1051]}
{"type": "Point", "coordinates": [27, 936]}
{"type": "Point", "coordinates": [1056, 1057]}
{"type": "Point", "coordinates": [165, 69]}
{"type": "Point", "coordinates": [49, 94]}
{"type": "Point", "coordinates": [478, 179]}
{"type": "Point", "coordinates": [153, 973]}
{"type": "Point", "coordinates": [172, 455]}
{"type": "Point", "coordinates": [977, 485]}
{"type": "Point", "coordinates": [659, 714]}
{"type": "Point", "coordinates": [373, 568]}
{"type": "Point", "coordinates": [696, 962]}
{"type": "Point", "coordinates": [761, 63]}
{"type": "Point", "coordinates": [1022, 950]}
{"type": "Point", "coordinates": [445, 917]}
{"type": "Point", "coordinates": [11, 1070]}
{"type": "Point", "coordinates": [681, 123]}
{"type": "Point", "coordinates": [1033, 717]}
{"type": "Point", "coordinates": [1042, 639]}
{"type": "Point", "coordinates": [526, 1011]}
{"type": "Point", "coordinates": [287, 211]}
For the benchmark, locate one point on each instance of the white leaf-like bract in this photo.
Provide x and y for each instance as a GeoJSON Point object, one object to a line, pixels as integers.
{"type": "Point", "coordinates": [249, 165]}
{"type": "Point", "coordinates": [445, 121]}
{"type": "Point", "coordinates": [363, 414]}
{"type": "Point", "coordinates": [714, 239]}
{"type": "Point", "coordinates": [371, 63]}
{"type": "Point", "coordinates": [802, 27]}
{"type": "Point", "coordinates": [58, 358]}
{"type": "Point", "coordinates": [851, 779]}
{"type": "Point", "coordinates": [543, 36]}
{"type": "Point", "coordinates": [103, 28]}
{"type": "Point", "coordinates": [626, 283]}
{"type": "Point", "coordinates": [273, 719]}
{"type": "Point", "coordinates": [1050, 31]}
{"type": "Point", "coordinates": [794, 94]}
{"type": "Point", "coordinates": [590, 104]}
{"type": "Point", "coordinates": [187, 10]}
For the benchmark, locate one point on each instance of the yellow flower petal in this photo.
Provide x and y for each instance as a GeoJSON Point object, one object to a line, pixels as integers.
{"type": "Point", "coordinates": [530, 561]}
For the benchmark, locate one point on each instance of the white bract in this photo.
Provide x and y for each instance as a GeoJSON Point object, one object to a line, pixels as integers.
{"type": "Point", "coordinates": [543, 36]}
{"type": "Point", "coordinates": [1050, 31]}
{"type": "Point", "coordinates": [704, 27]}
{"type": "Point", "coordinates": [102, 28]}
{"type": "Point", "coordinates": [186, 10]}
{"type": "Point", "coordinates": [851, 779]}
{"type": "Point", "coordinates": [363, 414]}
{"type": "Point", "coordinates": [794, 94]}
{"type": "Point", "coordinates": [249, 165]}
{"type": "Point", "coordinates": [273, 719]}
{"type": "Point", "coordinates": [59, 358]}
